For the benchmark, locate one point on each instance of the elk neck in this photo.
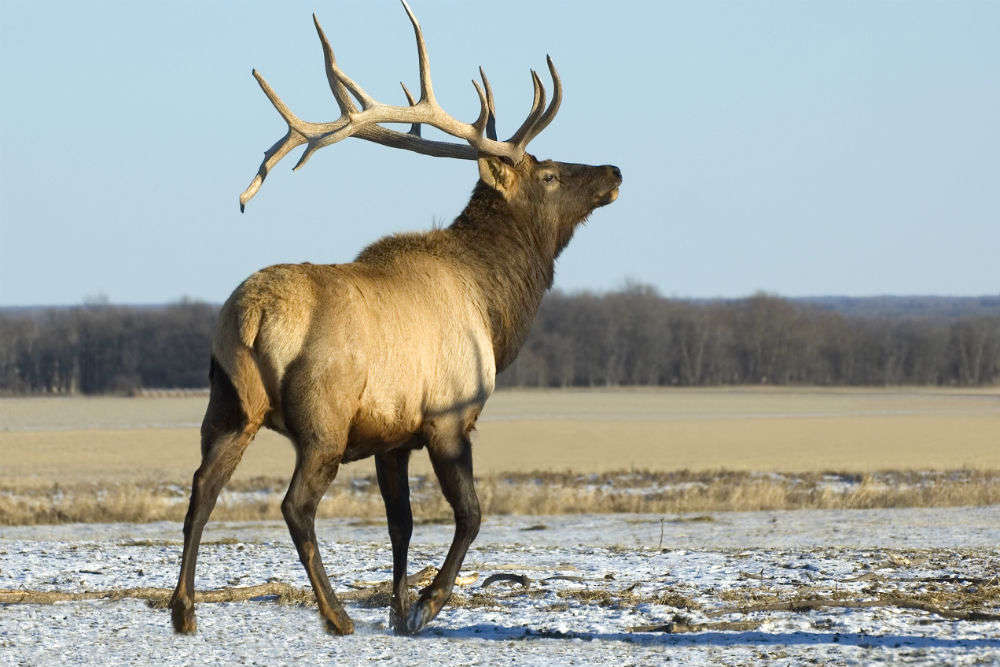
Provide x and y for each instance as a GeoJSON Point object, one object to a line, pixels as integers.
{"type": "Point", "coordinates": [512, 261]}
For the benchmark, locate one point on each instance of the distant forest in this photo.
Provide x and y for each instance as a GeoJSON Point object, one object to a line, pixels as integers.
{"type": "Point", "coordinates": [632, 336]}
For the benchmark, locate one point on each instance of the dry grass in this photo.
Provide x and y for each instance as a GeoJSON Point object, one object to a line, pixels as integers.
{"type": "Point", "coordinates": [159, 597]}
{"type": "Point", "coordinates": [675, 495]}
{"type": "Point", "coordinates": [934, 604]}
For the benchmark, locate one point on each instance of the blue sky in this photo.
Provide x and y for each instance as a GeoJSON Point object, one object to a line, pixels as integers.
{"type": "Point", "coordinates": [802, 148]}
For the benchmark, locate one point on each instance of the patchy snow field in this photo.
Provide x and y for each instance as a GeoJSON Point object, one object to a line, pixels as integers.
{"type": "Point", "coordinates": [592, 580]}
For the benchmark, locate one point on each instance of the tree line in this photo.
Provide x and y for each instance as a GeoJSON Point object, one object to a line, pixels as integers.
{"type": "Point", "coordinates": [637, 337]}
{"type": "Point", "coordinates": [632, 336]}
{"type": "Point", "coordinates": [100, 348]}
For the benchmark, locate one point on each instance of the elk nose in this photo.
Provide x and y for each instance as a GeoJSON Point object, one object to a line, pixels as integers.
{"type": "Point", "coordinates": [616, 171]}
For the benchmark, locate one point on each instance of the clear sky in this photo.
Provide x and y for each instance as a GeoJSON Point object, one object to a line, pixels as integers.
{"type": "Point", "coordinates": [803, 148]}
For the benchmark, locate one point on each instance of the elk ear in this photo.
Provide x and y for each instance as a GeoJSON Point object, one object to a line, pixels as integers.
{"type": "Point", "coordinates": [498, 174]}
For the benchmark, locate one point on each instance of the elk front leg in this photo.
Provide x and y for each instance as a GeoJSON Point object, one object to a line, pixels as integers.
{"type": "Point", "coordinates": [392, 469]}
{"type": "Point", "coordinates": [453, 467]}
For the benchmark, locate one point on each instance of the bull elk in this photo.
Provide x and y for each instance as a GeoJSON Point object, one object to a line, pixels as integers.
{"type": "Point", "coordinates": [397, 350]}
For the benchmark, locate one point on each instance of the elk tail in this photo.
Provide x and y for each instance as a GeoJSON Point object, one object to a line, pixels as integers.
{"type": "Point", "coordinates": [249, 324]}
{"type": "Point", "coordinates": [233, 354]}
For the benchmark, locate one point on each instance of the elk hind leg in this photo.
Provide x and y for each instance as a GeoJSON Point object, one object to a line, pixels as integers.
{"type": "Point", "coordinates": [318, 421]}
{"type": "Point", "coordinates": [226, 431]}
{"type": "Point", "coordinates": [393, 481]}
{"type": "Point", "coordinates": [452, 461]}
{"type": "Point", "coordinates": [314, 470]}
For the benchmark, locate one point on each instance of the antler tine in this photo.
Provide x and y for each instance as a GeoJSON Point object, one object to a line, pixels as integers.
{"type": "Point", "coordinates": [553, 108]}
{"type": "Point", "coordinates": [280, 149]}
{"type": "Point", "coordinates": [537, 102]}
{"type": "Point", "coordinates": [491, 122]}
{"type": "Point", "coordinates": [271, 157]}
{"type": "Point", "coordinates": [484, 111]}
{"type": "Point", "coordinates": [426, 88]}
{"type": "Point", "coordinates": [278, 103]}
{"type": "Point", "coordinates": [414, 127]}
{"type": "Point", "coordinates": [367, 101]}
{"type": "Point", "coordinates": [344, 100]}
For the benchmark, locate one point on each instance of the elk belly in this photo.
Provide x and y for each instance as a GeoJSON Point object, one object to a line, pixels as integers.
{"type": "Point", "coordinates": [382, 423]}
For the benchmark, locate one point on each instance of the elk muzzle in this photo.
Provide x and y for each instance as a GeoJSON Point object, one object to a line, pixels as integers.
{"type": "Point", "coordinates": [614, 175]}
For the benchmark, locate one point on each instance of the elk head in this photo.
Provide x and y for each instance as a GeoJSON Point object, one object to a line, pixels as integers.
{"type": "Point", "coordinates": [555, 195]}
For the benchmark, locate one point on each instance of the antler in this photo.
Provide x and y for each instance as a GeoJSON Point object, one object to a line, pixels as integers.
{"type": "Point", "coordinates": [480, 136]}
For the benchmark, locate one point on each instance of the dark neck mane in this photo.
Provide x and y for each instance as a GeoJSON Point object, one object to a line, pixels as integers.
{"type": "Point", "coordinates": [513, 264]}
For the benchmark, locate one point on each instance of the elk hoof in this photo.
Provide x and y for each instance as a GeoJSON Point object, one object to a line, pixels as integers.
{"type": "Point", "coordinates": [182, 615]}
{"type": "Point", "coordinates": [420, 615]}
{"type": "Point", "coordinates": [339, 623]}
{"type": "Point", "coordinates": [397, 621]}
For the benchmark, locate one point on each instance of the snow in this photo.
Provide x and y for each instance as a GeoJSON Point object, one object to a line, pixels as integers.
{"type": "Point", "coordinates": [702, 560]}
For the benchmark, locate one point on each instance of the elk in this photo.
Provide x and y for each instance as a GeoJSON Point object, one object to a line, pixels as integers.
{"type": "Point", "coordinates": [397, 350]}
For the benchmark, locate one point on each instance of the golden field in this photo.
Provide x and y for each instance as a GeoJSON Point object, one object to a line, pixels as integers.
{"type": "Point", "coordinates": [68, 440]}
{"type": "Point", "coordinates": [537, 452]}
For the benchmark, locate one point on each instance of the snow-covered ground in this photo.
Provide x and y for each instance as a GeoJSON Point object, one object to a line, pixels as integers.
{"type": "Point", "coordinates": [612, 573]}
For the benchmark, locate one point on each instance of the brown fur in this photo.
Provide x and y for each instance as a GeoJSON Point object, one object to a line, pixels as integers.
{"type": "Point", "coordinates": [396, 350]}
